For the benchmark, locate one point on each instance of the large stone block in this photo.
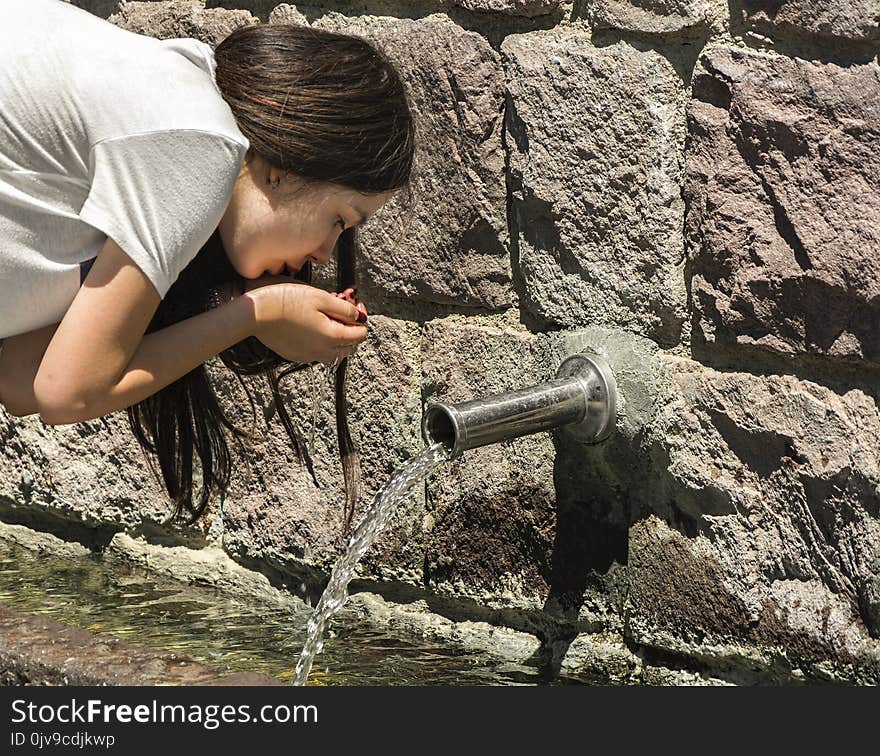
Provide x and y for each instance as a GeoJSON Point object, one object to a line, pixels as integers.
{"type": "Point", "coordinates": [838, 21]}
{"type": "Point", "coordinates": [595, 137]}
{"type": "Point", "coordinates": [651, 16]}
{"type": "Point", "coordinates": [167, 19]}
{"type": "Point", "coordinates": [91, 474]}
{"type": "Point", "coordinates": [491, 514]}
{"type": "Point", "coordinates": [783, 213]}
{"type": "Point", "coordinates": [452, 246]}
{"type": "Point", "coordinates": [527, 8]}
{"type": "Point", "coordinates": [683, 600]}
{"type": "Point", "coordinates": [765, 481]}
{"type": "Point", "coordinates": [782, 474]}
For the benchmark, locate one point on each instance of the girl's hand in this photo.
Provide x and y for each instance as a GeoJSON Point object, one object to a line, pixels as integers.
{"type": "Point", "coordinates": [350, 295]}
{"type": "Point", "coordinates": [303, 323]}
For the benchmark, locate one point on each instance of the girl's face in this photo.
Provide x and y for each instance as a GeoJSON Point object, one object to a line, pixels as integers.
{"type": "Point", "coordinates": [266, 231]}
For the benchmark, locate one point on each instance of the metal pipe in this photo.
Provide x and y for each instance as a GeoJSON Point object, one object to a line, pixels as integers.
{"type": "Point", "coordinates": [582, 398]}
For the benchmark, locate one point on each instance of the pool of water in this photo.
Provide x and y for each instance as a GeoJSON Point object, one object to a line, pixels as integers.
{"type": "Point", "coordinates": [229, 635]}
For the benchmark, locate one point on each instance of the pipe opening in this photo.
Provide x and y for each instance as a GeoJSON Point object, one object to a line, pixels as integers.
{"type": "Point", "coordinates": [439, 427]}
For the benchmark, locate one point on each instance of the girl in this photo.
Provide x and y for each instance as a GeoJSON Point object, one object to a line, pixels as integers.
{"type": "Point", "coordinates": [162, 203]}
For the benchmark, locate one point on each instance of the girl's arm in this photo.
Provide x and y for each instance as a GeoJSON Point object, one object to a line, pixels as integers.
{"type": "Point", "coordinates": [99, 358]}
{"type": "Point", "coordinates": [20, 359]}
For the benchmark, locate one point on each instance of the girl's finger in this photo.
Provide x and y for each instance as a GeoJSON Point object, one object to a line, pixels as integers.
{"type": "Point", "coordinates": [344, 333]}
{"type": "Point", "coordinates": [345, 350]}
{"type": "Point", "coordinates": [343, 311]}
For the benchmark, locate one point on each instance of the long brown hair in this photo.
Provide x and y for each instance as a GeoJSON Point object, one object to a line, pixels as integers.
{"type": "Point", "coordinates": [328, 107]}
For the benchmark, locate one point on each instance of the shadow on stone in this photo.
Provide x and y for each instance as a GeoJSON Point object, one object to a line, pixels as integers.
{"type": "Point", "coordinates": [42, 518]}
{"type": "Point", "coordinates": [681, 49]}
{"type": "Point", "coordinates": [767, 31]}
{"type": "Point", "coordinates": [589, 540]}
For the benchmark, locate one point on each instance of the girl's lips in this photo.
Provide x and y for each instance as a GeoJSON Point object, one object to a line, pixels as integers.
{"type": "Point", "coordinates": [284, 270]}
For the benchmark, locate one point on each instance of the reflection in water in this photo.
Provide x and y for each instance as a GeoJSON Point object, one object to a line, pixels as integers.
{"type": "Point", "coordinates": [227, 634]}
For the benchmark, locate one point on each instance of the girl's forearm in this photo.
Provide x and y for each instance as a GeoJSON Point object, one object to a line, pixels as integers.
{"type": "Point", "coordinates": [19, 361]}
{"type": "Point", "coordinates": [166, 355]}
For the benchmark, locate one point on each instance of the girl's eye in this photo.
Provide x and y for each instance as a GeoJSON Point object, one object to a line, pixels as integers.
{"type": "Point", "coordinates": [341, 222]}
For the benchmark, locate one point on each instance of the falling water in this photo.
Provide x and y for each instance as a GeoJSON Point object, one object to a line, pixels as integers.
{"type": "Point", "coordinates": [405, 478]}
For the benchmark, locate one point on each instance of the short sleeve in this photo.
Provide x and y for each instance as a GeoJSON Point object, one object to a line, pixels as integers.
{"type": "Point", "coordinates": [160, 195]}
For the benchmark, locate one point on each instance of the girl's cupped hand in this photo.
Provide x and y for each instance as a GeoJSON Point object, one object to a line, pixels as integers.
{"type": "Point", "coordinates": [303, 323]}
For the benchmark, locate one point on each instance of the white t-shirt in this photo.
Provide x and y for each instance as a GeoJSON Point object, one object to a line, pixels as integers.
{"type": "Point", "coordinates": [103, 132]}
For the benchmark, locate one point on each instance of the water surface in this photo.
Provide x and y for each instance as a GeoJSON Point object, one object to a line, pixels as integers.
{"type": "Point", "coordinates": [228, 634]}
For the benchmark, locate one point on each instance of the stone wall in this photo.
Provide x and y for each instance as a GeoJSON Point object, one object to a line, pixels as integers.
{"type": "Point", "coordinates": [689, 187]}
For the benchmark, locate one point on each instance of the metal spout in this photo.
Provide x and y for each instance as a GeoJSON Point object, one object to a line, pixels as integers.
{"type": "Point", "coordinates": [582, 398]}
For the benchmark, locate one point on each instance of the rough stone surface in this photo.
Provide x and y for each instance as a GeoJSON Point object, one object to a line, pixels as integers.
{"type": "Point", "coordinates": [595, 136]}
{"type": "Point", "coordinates": [604, 656]}
{"type": "Point", "coordinates": [831, 20]}
{"type": "Point", "coordinates": [683, 601]}
{"type": "Point", "coordinates": [36, 650]}
{"type": "Point", "coordinates": [764, 485]}
{"type": "Point", "coordinates": [528, 8]}
{"type": "Point", "coordinates": [650, 16]}
{"type": "Point", "coordinates": [490, 516]}
{"type": "Point", "coordinates": [666, 676]}
{"type": "Point", "coordinates": [451, 247]}
{"type": "Point", "coordinates": [168, 19]}
{"type": "Point", "coordinates": [92, 474]}
{"type": "Point", "coordinates": [287, 14]}
{"type": "Point", "coordinates": [791, 457]}
{"type": "Point", "coordinates": [276, 513]}
{"type": "Point", "coordinates": [783, 218]}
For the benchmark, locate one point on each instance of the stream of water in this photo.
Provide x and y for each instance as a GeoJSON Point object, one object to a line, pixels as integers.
{"type": "Point", "coordinates": [410, 474]}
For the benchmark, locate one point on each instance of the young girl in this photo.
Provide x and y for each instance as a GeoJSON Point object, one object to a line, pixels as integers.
{"type": "Point", "coordinates": [162, 203]}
